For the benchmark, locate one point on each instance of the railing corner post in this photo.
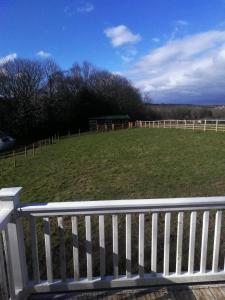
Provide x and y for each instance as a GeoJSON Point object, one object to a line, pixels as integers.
{"type": "Point", "coordinates": [14, 241]}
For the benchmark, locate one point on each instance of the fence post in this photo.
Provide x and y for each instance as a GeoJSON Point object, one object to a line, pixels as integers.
{"type": "Point", "coordinates": [205, 126]}
{"type": "Point", "coordinates": [25, 151]}
{"type": "Point", "coordinates": [216, 125]}
{"type": "Point", "coordinates": [185, 124]}
{"type": "Point", "coordinates": [193, 125]}
{"type": "Point", "coordinates": [33, 150]}
{"type": "Point", "coordinates": [14, 243]}
{"type": "Point", "coordinates": [14, 159]}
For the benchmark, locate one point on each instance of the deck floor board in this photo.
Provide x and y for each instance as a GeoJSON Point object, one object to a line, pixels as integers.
{"type": "Point", "coordinates": [212, 292]}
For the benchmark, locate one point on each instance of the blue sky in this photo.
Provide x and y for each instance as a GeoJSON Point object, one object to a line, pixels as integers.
{"type": "Point", "coordinates": [175, 50]}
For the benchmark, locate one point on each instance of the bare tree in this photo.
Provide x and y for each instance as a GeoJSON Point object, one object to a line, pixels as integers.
{"type": "Point", "coordinates": [20, 79]}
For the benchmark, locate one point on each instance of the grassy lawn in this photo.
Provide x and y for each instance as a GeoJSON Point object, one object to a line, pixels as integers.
{"type": "Point", "coordinates": [134, 163]}
{"type": "Point", "coordinates": [138, 163]}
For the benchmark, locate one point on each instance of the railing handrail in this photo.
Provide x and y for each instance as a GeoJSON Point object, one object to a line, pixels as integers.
{"type": "Point", "coordinates": [120, 206]}
{"type": "Point", "coordinates": [13, 252]}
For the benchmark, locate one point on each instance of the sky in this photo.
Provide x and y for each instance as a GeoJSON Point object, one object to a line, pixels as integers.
{"type": "Point", "coordinates": [173, 50]}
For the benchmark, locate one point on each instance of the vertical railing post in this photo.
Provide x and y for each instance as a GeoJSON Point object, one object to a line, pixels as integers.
{"type": "Point", "coordinates": [14, 241]}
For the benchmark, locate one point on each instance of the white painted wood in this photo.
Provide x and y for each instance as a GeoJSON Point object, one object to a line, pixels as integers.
{"type": "Point", "coordinates": [166, 244]}
{"type": "Point", "coordinates": [204, 245]}
{"type": "Point", "coordinates": [154, 242]}
{"type": "Point", "coordinates": [191, 254]}
{"type": "Point", "coordinates": [180, 226]}
{"type": "Point", "coordinates": [9, 197]}
{"type": "Point", "coordinates": [62, 250]}
{"type": "Point", "coordinates": [102, 245]}
{"type": "Point", "coordinates": [75, 248]}
{"type": "Point", "coordinates": [48, 252]}
{"type": "Point", "coordinates": [128, 245]}
{"type": "Point", "coordinates": [115, 245]}
{"type": "Point", "coordinates": [121, 206]}
{"type": "Point", "coordinates": [122, 282]}
{"type": "Point", "coordinates": [128, 206]}
{"type": "Point", "coordinates": [34, 248]}
{"type": "Point", "coordinates": [3, 276]}
{"type": "Point", "coordinates": [216, 245]}
{"type": "Point", "coordinates": [14, 242]}
{"type": "Point", "coordinates": [141, 245]}
{"type": "Point", "coordinates": [88, 247]}
{"type": "Point", "coordinates": [10, 276]}
{"type": "Point", "coordinates": [5, 215]}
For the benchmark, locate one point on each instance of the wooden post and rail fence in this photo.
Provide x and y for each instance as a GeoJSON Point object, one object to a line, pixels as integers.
{"type": "Point", "coordinates": [30, 150]}
{"type": "Point", "coordinates": [203, 125]}
{"type": "Point", "coordinates": [16, 282]}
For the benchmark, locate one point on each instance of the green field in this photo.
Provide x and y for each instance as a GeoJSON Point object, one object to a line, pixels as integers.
{"type": "Point", "coordinates": [137, 163]}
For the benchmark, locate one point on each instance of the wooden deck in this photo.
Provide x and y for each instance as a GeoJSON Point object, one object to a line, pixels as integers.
{"type": "Point", "coordinates": [205, 292]}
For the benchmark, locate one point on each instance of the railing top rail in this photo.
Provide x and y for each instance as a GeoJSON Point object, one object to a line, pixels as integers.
{"type": "Point", "coordinates": [123, 206]}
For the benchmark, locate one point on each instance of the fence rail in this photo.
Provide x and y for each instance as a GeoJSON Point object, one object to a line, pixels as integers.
{"type": "Point", "coordinates": [204, 125]}
{"type": "Point", "coordinates": [82, 231]}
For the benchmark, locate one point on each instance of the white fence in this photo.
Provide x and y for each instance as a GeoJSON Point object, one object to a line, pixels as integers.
{"type": "Point", "coordinates": [204, 125]}
{"type": "Point", "coordinates": [17, 281]}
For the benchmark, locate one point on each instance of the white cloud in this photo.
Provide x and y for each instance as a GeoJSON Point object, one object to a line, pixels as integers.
{"type": "Point", "coordinates": [86, 7]}
{"type": "Point", "coordinates": [121, 35]}
{"type": "Point", "coordinates": [127, 54]}
{"type": "Point", "coordinates": [192, 67]}
{"type": "Point", "coordinates": [43, 54]}
{"type": "Point", "coordinates": [181, 23]}
{"type": "Point", "coordinates": [83, 7]}
{"type": "Point", "coordinates": [7, 58]}
{"type": "Point", "coordinates": [156, 40]}
{"type": "Point", "coordinates": [180, 27]}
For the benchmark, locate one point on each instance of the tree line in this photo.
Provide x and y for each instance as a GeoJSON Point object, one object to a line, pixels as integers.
{"type": "Point", "coordinates": [185, 112]}
{"type": "Point", "coordinates": [38, 98]}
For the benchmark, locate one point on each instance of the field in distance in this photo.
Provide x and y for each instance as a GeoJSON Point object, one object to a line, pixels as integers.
{"type": "Point", "coordinates": [135, 163]}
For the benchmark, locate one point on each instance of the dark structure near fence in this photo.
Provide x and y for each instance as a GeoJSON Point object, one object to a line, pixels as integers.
{"type": "Point", "coordinates": [109, 122]}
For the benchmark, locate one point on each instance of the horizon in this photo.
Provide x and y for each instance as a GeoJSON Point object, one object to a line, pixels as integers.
{"type": "Point", "coordinates": [171, 50]}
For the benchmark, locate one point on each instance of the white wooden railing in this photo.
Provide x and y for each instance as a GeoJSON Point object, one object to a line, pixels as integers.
{"type": "Point", "coordinates": [93, 224]}
{"type": "Point", "coordinates": [204, 125]}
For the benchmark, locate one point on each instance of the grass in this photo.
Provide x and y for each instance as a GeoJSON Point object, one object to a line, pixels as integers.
{"type": "Point", "coordinates": [137, 163]}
